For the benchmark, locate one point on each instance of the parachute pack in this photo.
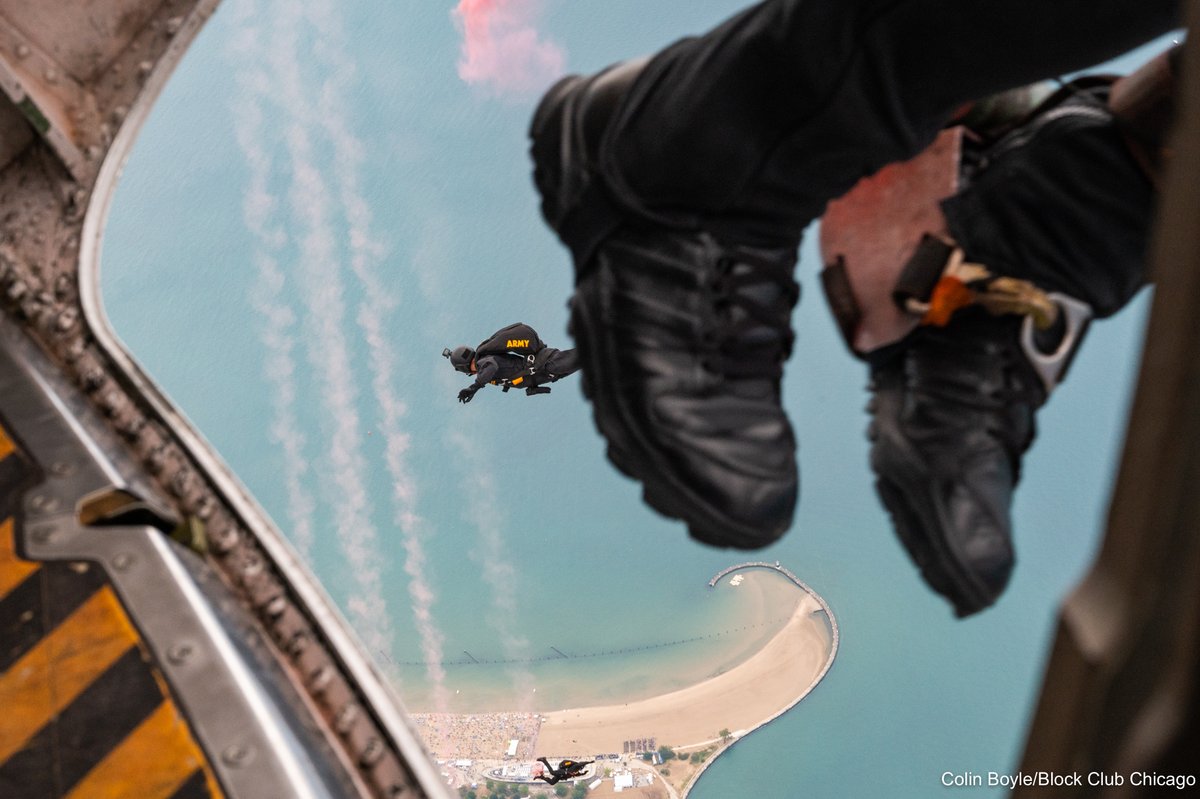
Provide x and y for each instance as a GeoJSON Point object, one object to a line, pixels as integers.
{"type": "Point", "coordinates": [522, 340]}
{"type": "Point", "coordinates": [516, 339]}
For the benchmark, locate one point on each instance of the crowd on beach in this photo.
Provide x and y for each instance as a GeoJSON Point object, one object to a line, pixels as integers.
{"type": "Point", "coordinates": [477, 736]}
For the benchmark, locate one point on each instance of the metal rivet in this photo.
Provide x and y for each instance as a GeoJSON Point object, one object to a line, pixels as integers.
{"type": "Point", "coordinates": [320, 679]}
{"type": "Point", "coordinates": [371, 753]}
{"type": "Point", "coordinates": [65, 320]}
{"type": "Point", "coordinates": [179, 653]}
{"type": "Point", "coordinates": [62, 468]}
{"type": "Point", "coordinates": [236, 755]}
{"type": "Point", "coordinates": [345, 719]}
{"type": "Point", "coordinates": [41, 503]}
{"type": "Point", "coordinates": [43, 535]}
{"type": "Point", "coordinates": [251, 566]}
{"type": "Point", "coordinates": [122, 561]}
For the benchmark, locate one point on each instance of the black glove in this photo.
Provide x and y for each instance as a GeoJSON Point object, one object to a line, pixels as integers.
{"type": "Point", "coordinates": [466, 394]}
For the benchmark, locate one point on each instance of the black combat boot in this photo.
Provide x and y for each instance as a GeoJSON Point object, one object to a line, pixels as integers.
{"type": "Point", "coordinates": [953, 413]}
{"type": "Point", "coordinates": [682, 331]}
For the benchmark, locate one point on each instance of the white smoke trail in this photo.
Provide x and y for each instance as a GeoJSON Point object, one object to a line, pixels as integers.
{"type": "Point", "coordinates": [498, 570]}
{"type": "Point", "coordinates": [259, 208]}
{"type": "Point", "coordinates": [377, 302]}
{"type": "Point", "coordinates": [431, 259]}
{"type": "Point", "coordinates": [328, 352]}
{"type": "Point", "coordinates": [325, 305]}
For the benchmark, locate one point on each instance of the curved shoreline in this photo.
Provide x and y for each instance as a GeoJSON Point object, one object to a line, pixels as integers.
{"type": "Point", "coordinates": [581, 730]}
{"type": "Point", "coordinates": [835, 638]}
{"type": "Point", "coordinates": [741, 698]}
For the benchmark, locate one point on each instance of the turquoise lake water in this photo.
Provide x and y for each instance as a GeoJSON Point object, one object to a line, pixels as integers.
{"type": "Point", "coordinates": [606, 660]}
{"type": "Point", "coordinates": [498, 528]}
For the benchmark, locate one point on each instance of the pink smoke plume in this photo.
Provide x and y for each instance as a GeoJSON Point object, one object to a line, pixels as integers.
{"type": "Point", "coordinates": [502, 49]}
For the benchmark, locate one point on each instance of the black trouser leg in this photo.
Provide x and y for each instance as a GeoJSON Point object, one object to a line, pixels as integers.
{"type": "Point", "coordinates": [562, 363]}
{"type": "Point", "coordinates": [1070, 210]}
{"type": "Point", "coordinates": [754, 126]}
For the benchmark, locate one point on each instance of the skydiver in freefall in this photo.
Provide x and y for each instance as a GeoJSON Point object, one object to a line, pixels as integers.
{"type": "Point", "coordinates": [512, 357]}
{"type": "Point", "coordinates": [567, 769]}
{"type": "Point", "coordinates": [681, 184]}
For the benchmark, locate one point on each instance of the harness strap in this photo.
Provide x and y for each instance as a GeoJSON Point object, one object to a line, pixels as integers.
{"type": "Point", "coordinates": [938, 281]}
{"type": "Point", "coordinates": [534, 362]}
{"type": "Point", "coordinates": [961, 284]}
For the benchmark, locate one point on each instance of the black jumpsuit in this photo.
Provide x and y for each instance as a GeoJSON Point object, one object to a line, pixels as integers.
{"type": "Point", "coordinates": [555, 365]}
{"type": "Point", "coordinates": [751, 128]}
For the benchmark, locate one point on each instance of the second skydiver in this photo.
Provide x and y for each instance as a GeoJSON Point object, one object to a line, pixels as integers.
{"type": "Point", "coordinates": [512, 357]}
{"type": "Point", "coordinates": [567, 770]}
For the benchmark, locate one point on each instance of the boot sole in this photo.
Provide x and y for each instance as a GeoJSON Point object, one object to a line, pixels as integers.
{"type": "Point", "coordinates": [547, 148]}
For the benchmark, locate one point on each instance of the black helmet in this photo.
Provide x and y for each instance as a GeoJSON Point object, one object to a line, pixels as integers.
{"type": "Point", "coordinates": [460, 358]}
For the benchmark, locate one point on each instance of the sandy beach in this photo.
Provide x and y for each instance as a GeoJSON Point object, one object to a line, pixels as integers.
{"type": "Point", "coordinates": [751, 684]}
{"type": "Point", "coordinates": [756, 686]}
{"type": "Point", "coordinates": [739, 699]}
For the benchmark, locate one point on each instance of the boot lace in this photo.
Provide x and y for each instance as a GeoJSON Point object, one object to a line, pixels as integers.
{"type": "Point", "coordinates": [749, 334]}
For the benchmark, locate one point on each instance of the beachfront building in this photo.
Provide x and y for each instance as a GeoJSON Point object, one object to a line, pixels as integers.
{"type": "Point", "coordinates": [519, 772]}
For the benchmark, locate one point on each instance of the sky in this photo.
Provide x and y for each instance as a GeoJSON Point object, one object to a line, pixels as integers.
{"type": "Point", "coordinates": [329, 193]}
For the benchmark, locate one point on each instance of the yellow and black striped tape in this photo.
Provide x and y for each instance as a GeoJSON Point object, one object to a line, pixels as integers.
{"type": "Point", "coordinates": [83, 713]}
